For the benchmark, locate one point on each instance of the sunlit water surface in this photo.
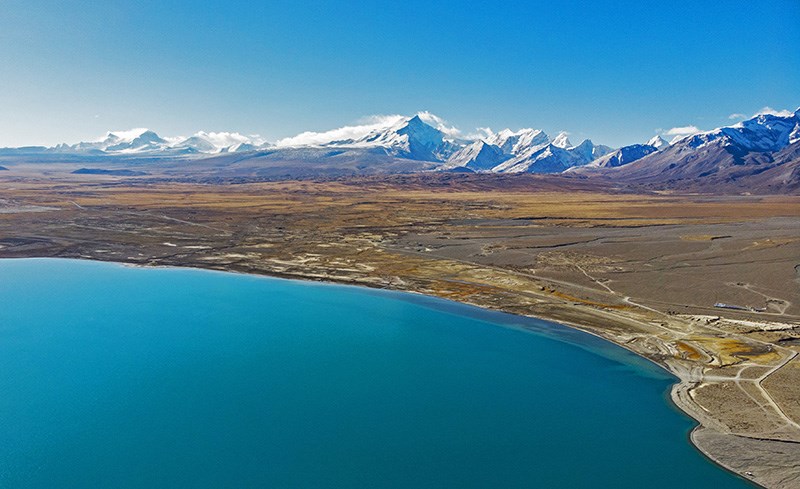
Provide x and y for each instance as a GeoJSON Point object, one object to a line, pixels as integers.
{"type": "Point", "coordinates": [112, 376]}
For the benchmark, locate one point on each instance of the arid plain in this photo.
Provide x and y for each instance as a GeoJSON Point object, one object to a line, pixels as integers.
{"type": "Point", "coordinates": [648, 271]}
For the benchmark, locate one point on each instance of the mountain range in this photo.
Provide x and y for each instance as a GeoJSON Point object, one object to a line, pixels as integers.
{"type": "Point", "coordinates": [762, 152]}
{"type": "Point", "coordinates": [146, 142]}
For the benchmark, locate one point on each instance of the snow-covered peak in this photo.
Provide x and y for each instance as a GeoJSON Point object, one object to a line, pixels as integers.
{"type": "Point", "coordinates": [374, 131]}
{"type": "Point", "coordinates": [550, 158]}
{"type": "Point", "coordinates": [562, 141]}
{"type": "Point", "coordinates": [412, 137]}
{"type": "Point", "coordinates": [763, 132]}
{"type": "Point", "coordinates": [433, 120]}
{"type": "Point", "coordinates": [124, 136]}
{"type": "Point", "coordinates": [478, 156]}
{"type": "Point", "coordinates": [401, 132]}
{"type": "Point", "coordinates": [425, 136]}
{"type": "Point", "coordinates": [794, 136]}
{"type": "Point", "coordinates": [195, 143]}
{"type": "Point", "coordinates": [623, 156]}
{"type": "Point", "coordinates": [517, 142]}
{"type": "Point", "coordinates": [416, 128]}
{"type": "Point", "coordinates": [144, 141]}
{"type": "Point", "coordinates": [243, 147]}
{"type": "Point", "coordinates": [657, 142]}
{"type": "Point", "coordinates": [217, 142]}
{"type": "Point", "coordinates": [408, 137]}
{"type": "Point", "coordinates": [587, 151]}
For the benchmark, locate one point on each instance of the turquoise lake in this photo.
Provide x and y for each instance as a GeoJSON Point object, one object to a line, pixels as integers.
{"type": "Point", "coordinates": [113, 376]}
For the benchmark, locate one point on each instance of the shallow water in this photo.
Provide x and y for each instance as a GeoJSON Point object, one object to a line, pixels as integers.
{"type": "Point", "coordinates": [112, 376]}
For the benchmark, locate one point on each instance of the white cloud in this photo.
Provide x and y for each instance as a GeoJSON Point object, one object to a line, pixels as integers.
{"type": "Point", "coordinates": [219, 140]}
{"type": "Point", "coordinates": [381, 119]}
{"type": "Point", "coordinates": [736, 116]}
{"type": "Point", "coordinates": [226, 139]}
{"type": "Point", "coordinates": [483, 133]}
{"type": "Point", "coordinates": [368, 124]}
{"type": "Point", "coordinates": [682, 131]}
{"type": "Point", "coordinates": [439, 123]}
{"type": "Point", "coordinates": [771, 111]}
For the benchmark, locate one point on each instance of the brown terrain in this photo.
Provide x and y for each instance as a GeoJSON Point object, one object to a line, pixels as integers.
{"type": "Point", "coordinates": [641, 270]}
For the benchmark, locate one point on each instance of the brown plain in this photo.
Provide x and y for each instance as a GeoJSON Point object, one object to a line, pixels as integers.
{"type": "Point", "coordinates": [642, 270]}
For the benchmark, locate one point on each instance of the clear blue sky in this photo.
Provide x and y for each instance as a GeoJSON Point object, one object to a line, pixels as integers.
{"type": "Point", "coordinates": [613, 70]}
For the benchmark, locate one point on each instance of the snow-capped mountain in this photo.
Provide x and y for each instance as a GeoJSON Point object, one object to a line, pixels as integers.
{"type": "Point", "coordinates": [409, 138]}
{"type": "Point", "coordinates": [219, 142]}
{"type": "Point", "coordinates": [478, 156]}
{"type": "Point", "coordinates": [134, 140]}
{"type": "Point", "coordinates": [422, 137]}
{"type": "Point", "coordinates": [515, 143]}
{"type": "Point", "coordinates": [196, 144]}
{"type": "Point", "coordinates": [623, 156]}
{"type": "Point", "coordinates": [525, 151]}
{"type": "Point", "coordinates": [765, 148]}
{"type": "Point", "coordinates": [758, 152]}
{"type": "Point", "coordinates": [588, 151]}
{"type": "Point", "coordinates": [143, 141]}
{"type": "Point", "coordinates": [553, 157]}
{"type": "Point", "coordinates": [764, 132]}
{"type": "Point", "coordinates": [562, 141]}
{"type": "Point", "coordinates": [627, 154]}
{"type": "Point", "coordinates": [658, 142]}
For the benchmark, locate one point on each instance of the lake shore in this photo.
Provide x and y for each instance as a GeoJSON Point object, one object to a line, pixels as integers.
{"type": "Point", "coordinates": [220, 320]}
{"type": "Point", "coordinates": [771, 460]}
{"type": "Point", "coordinates": [742, 456]}
{"type": "Point", "coordinates": [642, 272]}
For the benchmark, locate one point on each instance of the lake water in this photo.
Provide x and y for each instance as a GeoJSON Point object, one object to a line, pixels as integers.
{"type": "Point", "coordinates": [112, 376]}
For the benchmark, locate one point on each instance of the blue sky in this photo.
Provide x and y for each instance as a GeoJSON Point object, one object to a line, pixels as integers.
{"type": "Point", "coordinates": [614, 71]}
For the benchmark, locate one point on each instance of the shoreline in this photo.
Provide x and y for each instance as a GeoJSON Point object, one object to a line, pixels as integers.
{"type": "Point", "coordinates": [676, 391]}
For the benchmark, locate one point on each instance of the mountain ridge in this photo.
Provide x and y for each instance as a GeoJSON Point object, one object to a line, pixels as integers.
{"type": "Point", "coordinates": [762, 150]}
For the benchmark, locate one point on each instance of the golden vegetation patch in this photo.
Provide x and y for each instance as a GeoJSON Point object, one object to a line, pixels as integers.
{"type": "Point", "coordinates": [688, 351]}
